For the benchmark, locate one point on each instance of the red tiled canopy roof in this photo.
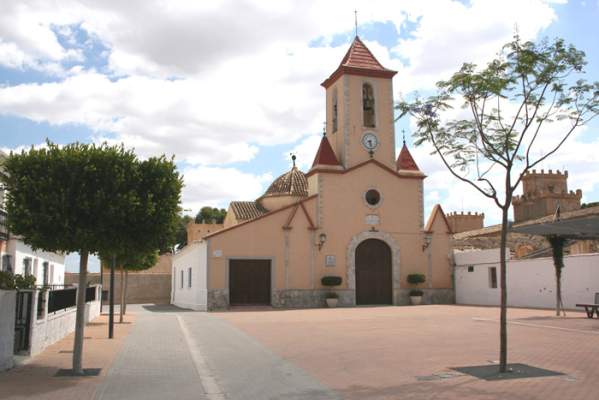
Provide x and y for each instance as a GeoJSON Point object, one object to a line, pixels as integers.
{"type": "Point", "coordinates": [405, 160]}
{"type": "Point", "coordinates": [325, 154]}
{"type": "Point", "coordinates": [359, 61]}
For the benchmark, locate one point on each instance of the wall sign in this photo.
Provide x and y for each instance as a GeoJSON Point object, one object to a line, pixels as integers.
{"type": "Point", "coordinates": [217, 253]}
{"type": "Point", "coordinates": [373, 219]}
{"type": "Point", "coordinates": [330, 261]}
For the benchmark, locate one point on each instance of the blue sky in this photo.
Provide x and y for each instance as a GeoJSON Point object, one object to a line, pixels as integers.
{"type": "Point", "coordinates": [232, 97]}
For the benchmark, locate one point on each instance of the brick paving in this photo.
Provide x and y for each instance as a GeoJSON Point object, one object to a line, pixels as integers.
{"type": "Point", "coordinates": [407, 352]}
{"type": "Point", "coordinates": [35, 379]}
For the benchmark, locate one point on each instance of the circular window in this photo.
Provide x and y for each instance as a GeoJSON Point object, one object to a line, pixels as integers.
{"type": "Point", "coordinates": [373, 197]}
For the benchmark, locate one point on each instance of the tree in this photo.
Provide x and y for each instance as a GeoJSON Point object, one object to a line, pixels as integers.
{"type": "Point", "coordinates": [507, 106]}
{"type": "Point", "coordinates": [209, 215]}
{"type": "Point", "coordinates": [91, 199]}
{"type": "Point", "coordinates": [181, 235]}
{"type": "Point", "coordinates": [126, 262]}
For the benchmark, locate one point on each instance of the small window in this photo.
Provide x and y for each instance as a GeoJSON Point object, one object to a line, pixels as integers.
{"type": "Point", "coordinates": [182, 276]}
{"type": "Point", "coordinates": [27, 266]}
{"type": "Point", "coordinates": [373, 197]}
{"type": "Point", "coordinates": [471, 268]}
{"type": "Point", "coordinates": [493, 277]}
{"type": "Point", "coordinates": [189, 277]}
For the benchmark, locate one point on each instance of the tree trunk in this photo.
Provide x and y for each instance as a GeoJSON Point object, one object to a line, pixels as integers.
{"type": "Point", "coordinates": [121, 308]}
{"type": "Point", "coordinates": [80, 314]}
{"type": "Point", "coordinates": [557, 250]}
{"type": "Point", "coordinates": [503, 285]}
{"type": "Point", "coordinates": [126, 285]}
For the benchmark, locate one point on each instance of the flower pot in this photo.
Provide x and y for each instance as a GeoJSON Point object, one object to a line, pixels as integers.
{"type": "Point", "coordinates": [332, 303]}
{"type": "Point", "coordinates": [416, 300]}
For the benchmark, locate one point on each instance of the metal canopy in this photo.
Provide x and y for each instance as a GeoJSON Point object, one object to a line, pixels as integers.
{"type": "Point", "coordinates": [579, 228]}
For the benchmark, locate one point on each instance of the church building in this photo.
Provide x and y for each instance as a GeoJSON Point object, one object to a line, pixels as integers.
{"type": "Point", "coordinates": [357, 214]}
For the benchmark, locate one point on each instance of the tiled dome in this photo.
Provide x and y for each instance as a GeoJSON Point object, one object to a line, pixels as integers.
{"type": "Point", "coordinates": [291, 183]}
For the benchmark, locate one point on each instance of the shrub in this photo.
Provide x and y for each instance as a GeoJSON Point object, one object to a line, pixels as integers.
{"type": "Point", "coordinates": [7, 280]}
{"type": "Point", "coordinates": [24, 282]}
{"type": "Point", "coordinates": [416, 279]}
{"type": "Point", "coordinates": [331, 280]}
{"type": "Point", "coordinates": [416, 292]}
{"type": "Point", "coordinates": [332, 295]}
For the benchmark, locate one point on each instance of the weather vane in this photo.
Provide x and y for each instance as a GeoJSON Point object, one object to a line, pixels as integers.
{"type": "Point", "coordinates": [293, 157]}
{"type": "Point", "coordinates": [356, 21]}
{"type": "Point", "coordinates": [403, 132]}
{"type": "Point", "coordinates": [324, 128]}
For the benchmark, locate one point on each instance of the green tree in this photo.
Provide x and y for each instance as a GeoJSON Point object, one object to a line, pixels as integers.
{"type": "Point", "coordinates": [126, 262]}
{"type": "Point", "coordinates": [91, 199]}
{"type": "Point", "coordinates": [508, 106]}
{"type": "Point", "coordinates": [208, 215]}
{"type": "Point", "coordinates": [181, 235]}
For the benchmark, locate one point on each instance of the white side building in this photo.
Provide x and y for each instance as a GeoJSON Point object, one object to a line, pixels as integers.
{"type": "Point", "coordinates": [530, 282]}
{"type": "Point", "coordinates": [19, 258]}
{"type": "Point", "coordinates": [190, 278]}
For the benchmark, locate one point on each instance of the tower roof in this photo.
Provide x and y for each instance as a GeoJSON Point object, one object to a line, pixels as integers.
{"type": "Point", "coordinates": [325, 154]}
{"type": "Point", "coordinates": [405, 161]}
{"type": "Point", "coordinates": [359, 61]}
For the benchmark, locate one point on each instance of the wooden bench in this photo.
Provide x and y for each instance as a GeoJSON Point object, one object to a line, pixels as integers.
{"type": "Point", "coordinates": [590, 309]}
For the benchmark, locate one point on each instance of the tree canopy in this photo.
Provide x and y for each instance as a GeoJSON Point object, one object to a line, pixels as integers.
{"type": "Point", "coordinates": [208, 215]}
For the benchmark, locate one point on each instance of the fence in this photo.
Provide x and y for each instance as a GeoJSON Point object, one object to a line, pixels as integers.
{"type": "Point", "coordinates": [56, 314]}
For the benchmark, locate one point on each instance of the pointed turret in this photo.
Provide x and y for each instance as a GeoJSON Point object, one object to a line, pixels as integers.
{"type": "Point", "coordinates": [359, 61]}
{"type": "Point", "coordinates": [405, 161]}
{"type": "Point", "coordinates": [325, 156]}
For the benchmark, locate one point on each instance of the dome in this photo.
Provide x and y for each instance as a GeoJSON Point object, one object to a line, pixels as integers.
{"type": "Point", "coordinates": [286, 189]}
{"type": "Point", "coordinates": [291, 183]}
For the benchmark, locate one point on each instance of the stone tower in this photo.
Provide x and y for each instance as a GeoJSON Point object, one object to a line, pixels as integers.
{"type": "Point", "coordinates": [465, 222]}
{"type": "Point", "coordinates": [359, 95]}
{"type": "Point", "coordinates": [542, 192]}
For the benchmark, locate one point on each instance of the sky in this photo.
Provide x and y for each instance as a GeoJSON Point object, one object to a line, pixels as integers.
{"type": "Point", "coordinates": [231, 88]}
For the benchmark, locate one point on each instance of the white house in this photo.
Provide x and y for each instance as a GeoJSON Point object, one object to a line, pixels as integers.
{"type": "Point", "coordinates": [530, 282]}
{"type": "Point", "coordinates": [190, 277]}
{"type": "Point", "coordinates": [19, 258]}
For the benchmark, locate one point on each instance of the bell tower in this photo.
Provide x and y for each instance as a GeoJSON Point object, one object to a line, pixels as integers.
{"type": "Point", "coordinates": [359, 96]}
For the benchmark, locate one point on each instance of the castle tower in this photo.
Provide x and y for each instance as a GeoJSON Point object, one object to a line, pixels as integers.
{"type": "Point", "coordinates": [542, 192]}
{"type": "Point", "coordinates": [359, 96]}
{"type": "Point", "coordinates": [465, 222]}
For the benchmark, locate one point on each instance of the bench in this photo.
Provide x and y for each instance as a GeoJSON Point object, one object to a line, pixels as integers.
{"type": "Point", "coordinates": [590, 309]}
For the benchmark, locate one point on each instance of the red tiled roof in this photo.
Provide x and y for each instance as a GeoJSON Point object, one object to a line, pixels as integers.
{"type": "Point", "coordinates": [359, 61]}
{"type": "Point", "coordinates": [405, 160]}
{"type": "Point", "coordinates": [246, 210]}
{"type": "Point", "coordinates": [325, 154]}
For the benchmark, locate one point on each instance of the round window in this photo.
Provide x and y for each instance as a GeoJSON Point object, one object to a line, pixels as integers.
{"type": "Point", "coordinates": [373, 197]}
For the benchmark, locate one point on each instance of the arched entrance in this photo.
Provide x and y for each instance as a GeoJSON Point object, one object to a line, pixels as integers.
{"type": "Point", "coordinates": [374, 276]}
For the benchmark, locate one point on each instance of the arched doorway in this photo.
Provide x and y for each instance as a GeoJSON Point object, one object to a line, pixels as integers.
{"type": "Point", "coordinates": [374, 277]}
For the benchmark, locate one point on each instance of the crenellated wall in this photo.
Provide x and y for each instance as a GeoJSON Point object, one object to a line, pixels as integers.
{"type": "Point", "coordinates": [462, 222]}
{"type": "Point", "coordinates": [541, 194]}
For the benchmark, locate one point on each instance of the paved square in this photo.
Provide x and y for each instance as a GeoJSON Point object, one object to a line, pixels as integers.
{"type": "Point", "coordinates": [408, 352]}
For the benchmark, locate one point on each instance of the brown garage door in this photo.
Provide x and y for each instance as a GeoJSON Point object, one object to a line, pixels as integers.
{"type": "Point", "coordinates": [249, 282]}
{"type": "Point", "coordinates": [373, 273]}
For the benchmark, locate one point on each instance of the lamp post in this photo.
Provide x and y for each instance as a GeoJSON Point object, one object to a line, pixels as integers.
{"type": "Point", "coordinates": [111, 304]}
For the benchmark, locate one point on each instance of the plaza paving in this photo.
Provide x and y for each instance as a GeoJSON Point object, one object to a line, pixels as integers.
{"type": "Point", "coordinates": [356, 353]}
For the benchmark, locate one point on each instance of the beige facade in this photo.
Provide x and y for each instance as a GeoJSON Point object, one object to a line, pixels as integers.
{"type": "Point", "coordinates": [462, 222]}
{"type": "Point", "coordinates": [324, 222]}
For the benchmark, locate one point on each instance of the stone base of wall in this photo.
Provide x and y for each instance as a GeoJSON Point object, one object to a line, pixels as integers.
{"type": "Point", "coordinates": [308, 298]}
{"type": "Point", "coordinates": [401, 297]}
{"type": "Point", "coordinates": [218, 299]}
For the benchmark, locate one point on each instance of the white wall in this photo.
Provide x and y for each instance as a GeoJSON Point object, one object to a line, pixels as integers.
{"type": "Point", "coordinates": [19, 251]}
{"type": "Point", "coordinates": [53, 327]}
{"type": "Point", "coordinates": [7, 327]}
{"type": "Point", "coordinates": [530, 283]}
{"type": "Point", "coordinates": [192, 256]}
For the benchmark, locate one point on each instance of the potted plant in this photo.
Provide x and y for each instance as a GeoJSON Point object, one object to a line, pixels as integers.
{"type": "Point", "coordinates": [416, 294]}
{"type": "Point", "coordinates": [331, 298]}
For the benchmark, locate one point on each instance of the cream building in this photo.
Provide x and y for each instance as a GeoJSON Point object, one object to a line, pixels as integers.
{"type": "Point", "coordinates": [357, 214]}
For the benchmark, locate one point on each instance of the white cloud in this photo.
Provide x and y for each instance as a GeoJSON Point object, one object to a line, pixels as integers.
{"type": "Point", "coordinates": [213, 186]}
{"type": "Point", "coordinates": [245, 74]}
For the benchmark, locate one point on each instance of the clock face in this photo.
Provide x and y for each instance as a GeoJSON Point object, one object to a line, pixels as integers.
{"type": "Point", "coordinates": [370, 141]}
